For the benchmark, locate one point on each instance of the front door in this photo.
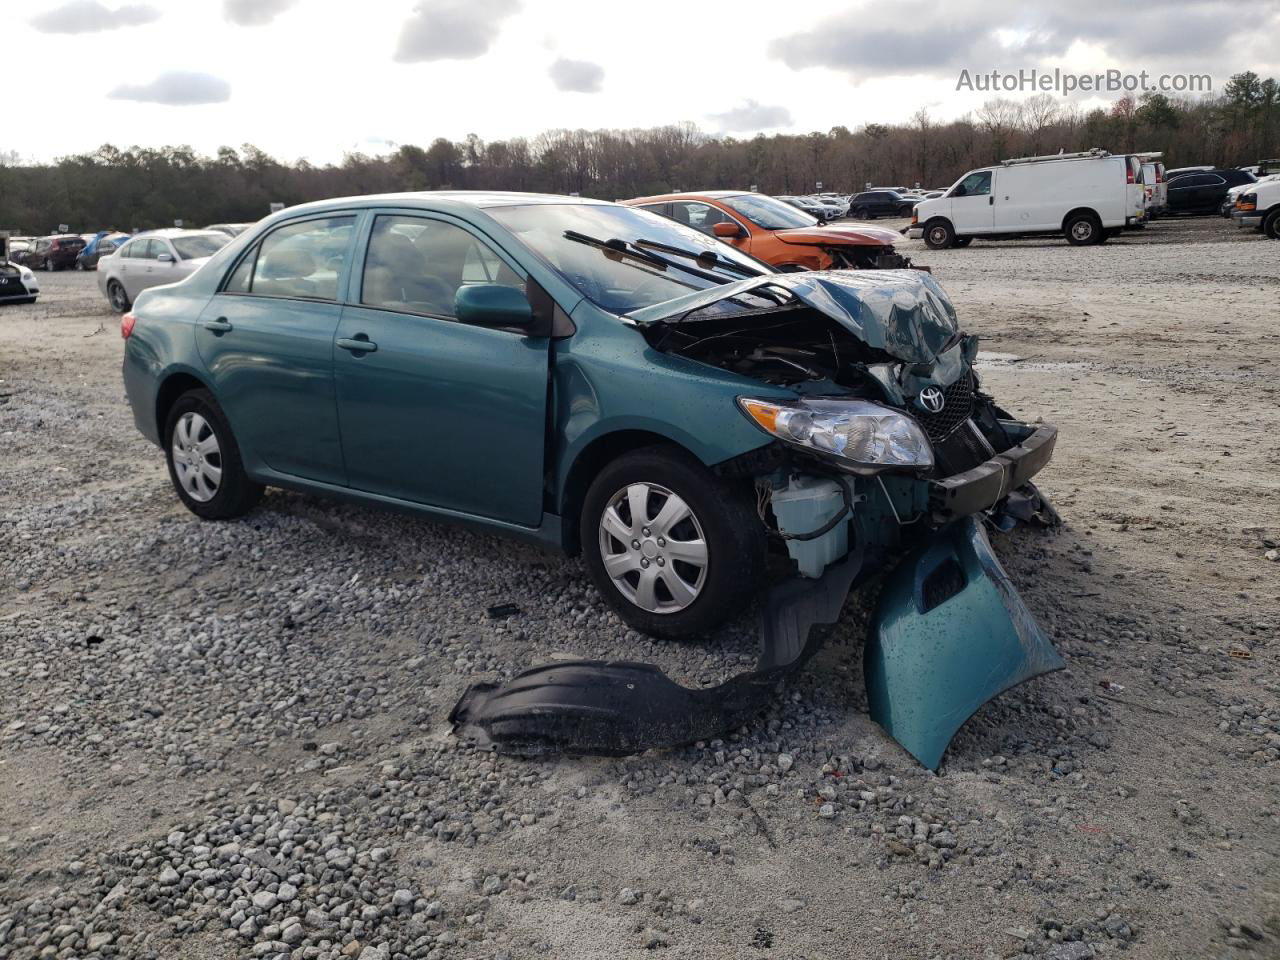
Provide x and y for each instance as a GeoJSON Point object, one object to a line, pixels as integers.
{"type": "Point", "coordinates": [432, 410]}
{"type": "Point", "coordinates": [972, 207]}
{"type": "Point", "coordinates": [267, 341]}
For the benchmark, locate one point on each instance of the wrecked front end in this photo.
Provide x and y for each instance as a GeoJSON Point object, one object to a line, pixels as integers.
{"type": "Point", "coordinates": [888, 461]}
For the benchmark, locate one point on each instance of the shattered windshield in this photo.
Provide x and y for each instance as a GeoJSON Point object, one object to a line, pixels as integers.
{"type": "Point", "coordinates": [621, 282]}
{"type": "Point", "coordinates": [769, 213]}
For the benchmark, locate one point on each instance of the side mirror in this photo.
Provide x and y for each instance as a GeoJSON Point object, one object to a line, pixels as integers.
{"type": "Point", "coordinates": [726, 230]}
{"type": "Point", "coordinates": [165, 258]}
{"type": "Point", "coordinates": [492, 305]}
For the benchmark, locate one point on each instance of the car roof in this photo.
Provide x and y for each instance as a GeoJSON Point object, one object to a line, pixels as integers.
{"type": "Point", "coordinates": [693, 195]}
{"type": "Point", "coordinates": [175, 232]}
{"type": "Point", "coordinates": [429, 199]}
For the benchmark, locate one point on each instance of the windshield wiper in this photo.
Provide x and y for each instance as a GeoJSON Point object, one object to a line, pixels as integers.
{"type": "Point", "coordinates": [705, 258]}
{"type": "Point", "coordinates": [622, 248]}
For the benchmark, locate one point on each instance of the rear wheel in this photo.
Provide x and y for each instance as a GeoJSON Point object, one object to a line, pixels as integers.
{"type": "Point", "coordinates": [939, 235]}
{"type": "Point", "coordinates": [119, 299]}
{"type": "Point", "coordinates": [673, 549]}
{"type": "Point", "coordinates": [1083, 230]}
{"type": "Point", "coordinates": [204, 459]}
{"type": "Point", "coordinates": [859, 212]}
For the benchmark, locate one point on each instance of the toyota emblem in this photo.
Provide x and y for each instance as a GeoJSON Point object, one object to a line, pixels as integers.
{"type": "Point", "coordinates": [931, 399]}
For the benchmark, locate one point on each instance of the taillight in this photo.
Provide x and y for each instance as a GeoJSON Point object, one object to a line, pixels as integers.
{"type": "Point", "coordinates": [126, 325]}
{"type": "Point", "coordinates": [1159, 174]}
{"type": "Point", "coordinates": [1129, 171]}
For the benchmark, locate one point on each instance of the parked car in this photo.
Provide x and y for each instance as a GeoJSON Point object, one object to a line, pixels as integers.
{"type": "Point", "coordinates": [880, 203]}
{"type": "Point", "coordinates": [102, 245]}
{"type": "Point", "coordinates": [230, 229]}
{"type": "Point", "coordinates": [20, 249]}
{"type": "Point", "coordinates": [776, 232]}
{"type": "Point", "coordinates": [1087, 197]}
{"type": "Point", "coordinates": [55, 253]}
{"type": "Point", "coordinates": [1203, 192]}
{"type": "Point", "coordinates": [1259, 206]}
{"type": "Point", "coordinates": [151, 259]}
{"type": "Point", "coordinates": [18, 284]}
{"type": "Point", "coordinates": [1153, 181]}
{"type": "Point", "coordinates": [814, 209]}
{"type": "Point", "coordinates": [1179, 171]}
{"type": "Point", "coordinates": [1228, 205]}
{"type": "Point", "coordinates": [609, 382]}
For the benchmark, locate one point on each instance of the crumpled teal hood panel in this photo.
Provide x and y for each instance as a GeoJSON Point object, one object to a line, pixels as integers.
{"type": "Point", "coordinates": [950, 633]}
{"type": "Point", "coordinates": [905, 313]}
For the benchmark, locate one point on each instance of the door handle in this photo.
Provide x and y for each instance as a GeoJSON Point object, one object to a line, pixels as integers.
{"type": "Point", "coordinates": [990, 201]}
{"type": "Point", "coordinates": [221, 325]}
{"type": "Point", "coordinates": [359, 344]}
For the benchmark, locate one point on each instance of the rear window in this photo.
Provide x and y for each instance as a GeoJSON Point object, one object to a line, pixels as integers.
{"type": "Point", "coordinates": [193, 248]}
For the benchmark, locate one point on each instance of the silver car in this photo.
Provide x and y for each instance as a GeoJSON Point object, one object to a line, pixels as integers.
{"type": "Point", "coordinates": [155, 258]}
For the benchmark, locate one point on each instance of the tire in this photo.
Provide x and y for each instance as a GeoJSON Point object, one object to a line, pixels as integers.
{"type": "Point", "coordinates": [1271, 224]}
{"type": "Point", "coordinates": [48, 265]}
{"type": "Point", "coordinates": [210, 479]}
{"type": "Point", "coordinates": [1083, 230]}
{"type": "Point", "coordinates": [939, 235]}
{"type": "Point", "coordinates": [859, 213]}
{"type": "Point", "coordinates": [709, 586]}
{"type": "Point", "coordinates": [117, 296]}
{"type": "Point", "coordinates": [962, 241]}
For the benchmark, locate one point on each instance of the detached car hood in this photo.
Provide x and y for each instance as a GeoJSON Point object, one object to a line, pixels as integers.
{"type": "Point", "coordinates": [837, 236]}
{"type": "Point", "coordinates": [905, 313]}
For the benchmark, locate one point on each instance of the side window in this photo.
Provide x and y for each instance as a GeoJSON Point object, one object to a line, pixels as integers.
{"type": "Point", "coordinates": [417, 265]}
{"type": "Point", "coordinates": [975, 185]}
{"type": "Point", "coordinates": [700, 216]}
{"type": "Point", "coordinates": [301, 260]}
{"type": "Point", "coordinates": [661, 209]}
{"type": "Point", "coordinates": [147, 250]}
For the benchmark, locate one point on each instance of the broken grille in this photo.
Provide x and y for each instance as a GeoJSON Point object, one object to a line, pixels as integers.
{"type": "Point", "coordinates": [955, 410]}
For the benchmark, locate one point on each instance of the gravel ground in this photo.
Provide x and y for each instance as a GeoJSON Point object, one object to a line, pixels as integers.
{"type": "Point", "coordinates": [226, 740]}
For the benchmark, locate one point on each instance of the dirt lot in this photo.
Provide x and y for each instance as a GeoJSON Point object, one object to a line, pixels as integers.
{"type": "Point", "coordinates": [222, 740]}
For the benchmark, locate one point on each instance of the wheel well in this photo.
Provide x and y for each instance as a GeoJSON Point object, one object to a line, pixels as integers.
{"type": "Point", "coordinates": [1071, 213]}
{"type": "Point", "coordinates": [172, 388]}
{"type": "Point", "coordinates": [589, 463]}
{"type": "Point", "coordinates": [932, 220]}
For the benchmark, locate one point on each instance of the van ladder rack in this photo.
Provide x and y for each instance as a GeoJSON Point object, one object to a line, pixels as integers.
{"type": "Point", "coordinates": [1093, 154]}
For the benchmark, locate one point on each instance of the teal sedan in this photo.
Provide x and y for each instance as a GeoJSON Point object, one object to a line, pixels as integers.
{"type": "Point", "coordinates": [612, 383]}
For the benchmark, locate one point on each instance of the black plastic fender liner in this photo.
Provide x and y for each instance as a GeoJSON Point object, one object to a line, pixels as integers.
{"type": "Point", "coordinates": [615, 708]}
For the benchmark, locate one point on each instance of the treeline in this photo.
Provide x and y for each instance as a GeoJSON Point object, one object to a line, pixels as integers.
{"type": "Point", "coordinates": [144, 187]}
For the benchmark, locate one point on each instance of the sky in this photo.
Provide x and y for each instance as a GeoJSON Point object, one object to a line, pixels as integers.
{"type": "Point", "coordinates": [316, 79]}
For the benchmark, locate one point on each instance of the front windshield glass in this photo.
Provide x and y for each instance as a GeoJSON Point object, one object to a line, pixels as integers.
{"type": "Point", "coordinates": [202, 245]}
{"type": "Point", "coordinates": [616, 282]}
{"type": "Point", "coordinates": [769, 213]}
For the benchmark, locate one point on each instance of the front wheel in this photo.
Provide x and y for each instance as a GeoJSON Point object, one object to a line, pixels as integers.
{"type": "Point", "coordinates": [939, 235]}
{"type": "Point", "coordinates": [1271, 224]}
{"type": "Point", "coordinates": [673, 549]}
{"type": "Point", "coordinates": [204, 459]}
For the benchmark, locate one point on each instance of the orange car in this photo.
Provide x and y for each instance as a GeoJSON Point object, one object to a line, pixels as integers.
{"type": "Point", "coordinates": [777, 232]}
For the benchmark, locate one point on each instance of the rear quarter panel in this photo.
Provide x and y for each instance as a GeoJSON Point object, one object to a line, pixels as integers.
{"type": "Point", "coordinates": [162, 344]}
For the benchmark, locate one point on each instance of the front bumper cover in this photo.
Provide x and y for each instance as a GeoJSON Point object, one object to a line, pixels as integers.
{"type": "Point", "coordinates": [985, 485]}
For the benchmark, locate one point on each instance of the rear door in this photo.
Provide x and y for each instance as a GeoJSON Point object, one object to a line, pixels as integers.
{"type": "Point", "coordinates": [432, 410]}
{"type": "Point", "coordinates": [972, 208]}
{"type": "Point", "coordinates": [266, 339]}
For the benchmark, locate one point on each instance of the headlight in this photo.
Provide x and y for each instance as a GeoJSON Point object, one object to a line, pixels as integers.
{"type": "Point", "coordinates": [27, 275]}
{"type": "Point", "coordinates": [866, 435]}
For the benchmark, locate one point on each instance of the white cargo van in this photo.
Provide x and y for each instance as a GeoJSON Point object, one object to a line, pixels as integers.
{"type": "Point", "coordinates": [1088, 197]}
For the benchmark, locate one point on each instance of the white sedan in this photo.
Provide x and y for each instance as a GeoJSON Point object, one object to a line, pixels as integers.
{"type": "Point", "coordinates": [152, 259]}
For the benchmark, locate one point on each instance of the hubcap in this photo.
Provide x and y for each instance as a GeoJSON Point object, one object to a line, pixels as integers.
{"type": "Point", "coordinates": [1082, 231]}
{"type": "Point", "coordinates": [653, 548]}
{"type": "Point", "coordinates": [197, 459]}
{"type": "Point", "coordinates": [938, 235]}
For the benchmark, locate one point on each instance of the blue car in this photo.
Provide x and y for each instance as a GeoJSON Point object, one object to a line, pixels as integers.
{"type": "Point", "coordinates": [606, 381]}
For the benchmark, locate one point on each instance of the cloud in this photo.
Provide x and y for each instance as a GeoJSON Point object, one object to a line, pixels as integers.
{"type": "Point", "coordinates": [452, 29]}
{"type": "Point", "coordinates": [254, 13]}
{"type": "Point", "coordinates": [982, 35]}
{"type": "Point", "coordinates": [752, 116]}
{"type": "Point", "coordinates": [579, 76]}
{"type": "Point", "coordinates": [176, 88]}
{"type": "Point", "coordinates": [90, 16]}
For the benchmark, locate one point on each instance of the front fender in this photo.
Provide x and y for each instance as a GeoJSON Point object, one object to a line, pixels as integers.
{"type": "Point", "coordinates": [949, 634]}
